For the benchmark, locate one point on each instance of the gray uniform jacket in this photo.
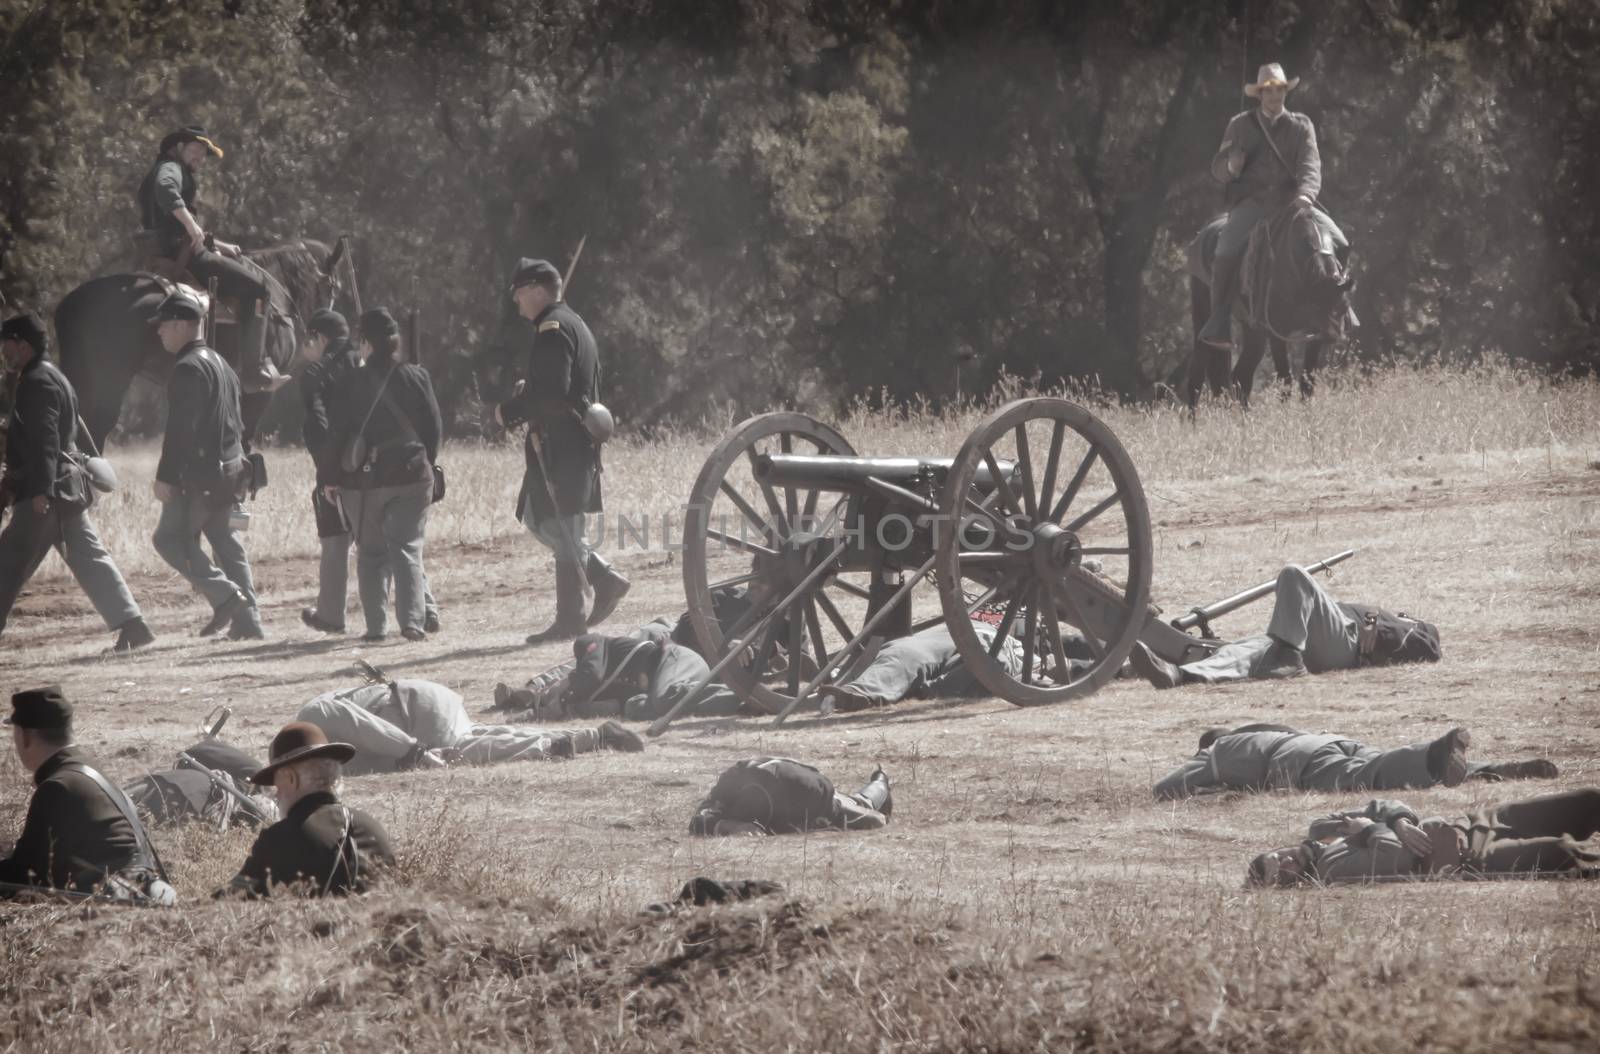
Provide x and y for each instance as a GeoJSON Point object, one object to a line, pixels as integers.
{"type": "Point", "coordinates": [203, 444]}
{"type": "Point", "coordinates": [44, 426]}
{"type": "Point", "coordinates": [1264, 178]}
{"type": "Point", "coordinates": [1254, 760]}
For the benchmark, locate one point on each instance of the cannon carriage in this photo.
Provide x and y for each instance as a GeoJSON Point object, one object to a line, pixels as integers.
{"type": "Point", "coordinates": [1032, 545]}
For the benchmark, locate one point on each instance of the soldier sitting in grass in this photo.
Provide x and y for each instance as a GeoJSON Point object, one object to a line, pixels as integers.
{"type": "Point", "coordinates": [1387, 840]}
{"type": "Point", "coordinates": [406, 724]}
{"type": "Point", "coordinates": [1276, 757]}
{"type": "Point", "coordinates": [321, 846]}
{"type": "Point", "coordinates": [1310, 632]}
{"type": "Point", "coordinates": [783, 796]}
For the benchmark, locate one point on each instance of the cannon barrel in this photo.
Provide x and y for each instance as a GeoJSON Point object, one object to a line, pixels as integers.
{"type": "Point", "coordinates": [850, 474]}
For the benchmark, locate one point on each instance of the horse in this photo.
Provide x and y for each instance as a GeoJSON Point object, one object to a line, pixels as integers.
{"type": "Point", "coordinates": [105, 337]}
{"type": "Point", "coordinates": [1295, 281]}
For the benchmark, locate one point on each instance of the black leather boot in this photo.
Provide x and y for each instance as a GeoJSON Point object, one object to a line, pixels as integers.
{"type": "Point", "coordinates": [1218, 330]}
{"type": "Point", "coordinates": [609, 588]}
{"type": "Point", "coordinates": [572, 597]}
{"type": "Point", "coordinates": [875, 795]}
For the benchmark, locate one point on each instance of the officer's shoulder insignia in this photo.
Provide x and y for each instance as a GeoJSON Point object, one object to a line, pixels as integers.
{"type": "Point", "coordinates": [548, 325]}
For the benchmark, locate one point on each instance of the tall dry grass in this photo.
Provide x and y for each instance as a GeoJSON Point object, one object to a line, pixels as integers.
{"type": "Point", "coordinates": [1422, 417]}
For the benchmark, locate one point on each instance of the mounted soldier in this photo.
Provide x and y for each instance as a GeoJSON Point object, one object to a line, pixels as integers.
{"type": "Point", "coordinates": [1268, 161]}
{"type": "Point", "coordinates": [178, 247]}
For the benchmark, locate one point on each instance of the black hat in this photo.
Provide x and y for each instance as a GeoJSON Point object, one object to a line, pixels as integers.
{"type": "Point", "coordinates": [529, 271]}
{"type": "Point", "coordinates": [300, 741]}
{"type": "Point", "coordinates": [29, 328]}
{"type": "Point", "coordinates": [45, 707]}
{"type": "Point", "coordinates": [330, 324]}
{"type": "Point", "coordinates": [378, 326]}
{"type": "Point", "coordinates": [179, 305]}
{"type": "Point", "coordinates": [190, 133]}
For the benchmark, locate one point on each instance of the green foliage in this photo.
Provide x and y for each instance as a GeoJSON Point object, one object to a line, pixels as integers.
{"type": "Point", "coordinates": [799, 201]}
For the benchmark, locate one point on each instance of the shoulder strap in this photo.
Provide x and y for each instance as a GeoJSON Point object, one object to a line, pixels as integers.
{"type": "Point", "coordinates": [382, 391]}
{"type": "Point", "coordinates": [387, 399]}
{"type": "Point", "coordinates": [1275, 151]}
{"type": "Point", "coordinates": [120, 800]}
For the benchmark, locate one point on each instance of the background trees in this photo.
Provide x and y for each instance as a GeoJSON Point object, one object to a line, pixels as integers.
{"type": "Point", "coordinates": [797, 202]}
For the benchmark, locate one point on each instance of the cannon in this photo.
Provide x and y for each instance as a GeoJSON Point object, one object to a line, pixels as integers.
{"type": "Point", "coordinates": [1036, 530]}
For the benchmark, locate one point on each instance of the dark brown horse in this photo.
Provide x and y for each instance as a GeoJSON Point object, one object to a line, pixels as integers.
{"type": "Point", "coordinates": [105, 337]}
{"type": "Point", "coordinates": [1297, 284]}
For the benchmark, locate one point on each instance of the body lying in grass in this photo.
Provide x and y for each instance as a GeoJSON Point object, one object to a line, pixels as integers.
{"type": "Point", "coordinates": [1387, 839]}
{"type": "Point", "coordinates": [1277, 757]}
{"type": "Point", "coordinates": [1310, 632]}
{"type": "Point", "coordinates": [406, 724]}
{"type": "Point", "coordinates": [783, 796]}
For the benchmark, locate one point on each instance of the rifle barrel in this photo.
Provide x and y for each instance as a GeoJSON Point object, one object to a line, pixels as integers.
{"type": "Point", "coordinates": [1221, 607]}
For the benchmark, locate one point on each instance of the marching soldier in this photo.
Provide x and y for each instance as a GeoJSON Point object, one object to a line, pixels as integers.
{"type": "Point", "coordinates": [330, 356]}
{"type": "Point", "coordinates": [166, 206]}
{"type": "Point", "coordinates": [202, 472]}
{"type": "Point", "coordinates": [562, 478]}
{"type": "Point", "coordinates": [49, 493]}
{"type": "Point", "coordinates": [1268, 159]}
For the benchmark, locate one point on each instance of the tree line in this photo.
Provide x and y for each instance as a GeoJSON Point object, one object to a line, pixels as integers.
{"type": "Point", "coordinates": [798, 201]}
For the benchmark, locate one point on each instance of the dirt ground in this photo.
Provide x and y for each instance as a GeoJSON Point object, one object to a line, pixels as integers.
{"type": "Point", "coordinates": [1029, 893]}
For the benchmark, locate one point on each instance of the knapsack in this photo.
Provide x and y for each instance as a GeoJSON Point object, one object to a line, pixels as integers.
{"type": "Point", "coordinates": [1386, 638]}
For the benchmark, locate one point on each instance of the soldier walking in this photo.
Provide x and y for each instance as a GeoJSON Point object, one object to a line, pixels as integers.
{"type": "Point", "coordinates": [49, 493]}
{"type": "Point", "coordinates": [561, 481]}
{"type": "Point", "coordinates": [202, 473]}
{"type": "Point", "coordinates": [386, 413]}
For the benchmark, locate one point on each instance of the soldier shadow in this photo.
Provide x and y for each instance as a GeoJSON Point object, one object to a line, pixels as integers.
{"type": "Point", "coordinates": [458, 655]}
{"type": "Point", "coordinates": [280, 649]}
{"type": "Point", "coordinates": [896, 714]}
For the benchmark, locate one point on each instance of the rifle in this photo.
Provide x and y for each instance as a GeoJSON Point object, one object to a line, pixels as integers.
{"type": "Point", "coordinates": [566, 279]}
{"type": "Point", "coordinates": [253, 808]}
{"type": "Point", "coordinates": [1202, 616]}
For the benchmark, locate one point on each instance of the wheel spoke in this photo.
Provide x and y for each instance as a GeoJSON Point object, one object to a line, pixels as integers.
{"type": "Point", "coordinates": [795, 646]}
{"type": "Point", "coordinates": [1052, 629]}
{"type": "Point", "coordinates": [1030, 630]}
{"type": "Point", "coordinates": [1052, 463]}
{"type": "Point", "coordinates": [1101, 506]}
{"type": "Point", "coordinates": [1025, 462]}
{"type": "Point", "coordinates": [736, 580]}
{"type": "Point", "coordinates": [1075, 616]}
{"type": "Point", "coordinates": [742, 544]}
{"type": "Point", "coordinates": [786, 445]}
{"type": "Point", "coordinates": [829, 609]}
{"type": "Point", "coordinates": [1002, 630]}
{"type": "Point", "coordinates": [1002, 486]}
{"type": "Point", "coordinates": [1073, 484]}
{"type": "Point", "coordinates": [749, 512]}
{"type": "Point", "coordinates": [814, 624]}
{"type": "Point", "coordinates": [851, 588]}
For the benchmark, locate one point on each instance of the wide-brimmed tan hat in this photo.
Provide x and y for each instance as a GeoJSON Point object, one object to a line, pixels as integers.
{"type": "Point", "coordinates": [300, 741]}
{"type": "Point", "coordinates": [1267, 76]}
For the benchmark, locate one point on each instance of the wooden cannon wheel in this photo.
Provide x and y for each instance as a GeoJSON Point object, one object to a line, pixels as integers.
{"type": "Point", "coordinates": [1073, 496]}
{"type": "Point", "coordinates": [771, 539]}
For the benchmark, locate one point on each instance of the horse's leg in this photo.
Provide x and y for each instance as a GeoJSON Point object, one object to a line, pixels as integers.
{"type": "Point", "coordinates": [1313, 363]}
{"type": "Point", "coordinates": [1282, 366]}
{"type": "Point", "coordinates": [1244, 371]}
{"type": "Point", "coordinates": [252, 407]}
{"type": "Point", "coordinates": [1199, 361]}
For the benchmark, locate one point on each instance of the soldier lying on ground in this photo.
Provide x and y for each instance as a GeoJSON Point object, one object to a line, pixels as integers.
{"type": "Point", "coordinates": [408, 724]}
{"type": "Point", "coordinates": [1276, 757]}
{"type": "Point", "coordinates": [783, 796]}
{"type": "Point", "coordinates": [80, 833]}
{"type": "Point", "coordinates": [643, 675]}
{"type": "Point", "coordinates": [321, 846]}
{"type": "Point", "coordinates": [1309, 632]}
{"type": "Point", "coordinates": [1386, 839]}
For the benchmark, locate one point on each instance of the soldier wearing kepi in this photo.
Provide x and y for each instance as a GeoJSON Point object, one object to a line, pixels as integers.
{"type": "Point", "coordinates": [166, 206]}
{"type": "Point", "coordinates": [1268, 159]}
{"type": "Point", "coordinates": [561, 482]}
{"type": "Point", "coordinates": [80, 832]}
{"type": "Point", "coordinates": [329, 356]}
{"type": "Point", "coordinates": [202, 472]}
{"type": "Point", "coordinates": [321, 846]}
{"type": "Point", "coordinates": [49, 493]}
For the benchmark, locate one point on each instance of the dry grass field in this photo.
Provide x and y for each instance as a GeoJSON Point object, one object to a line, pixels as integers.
{"type": "Point", "coordinates": [1029, 895]}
